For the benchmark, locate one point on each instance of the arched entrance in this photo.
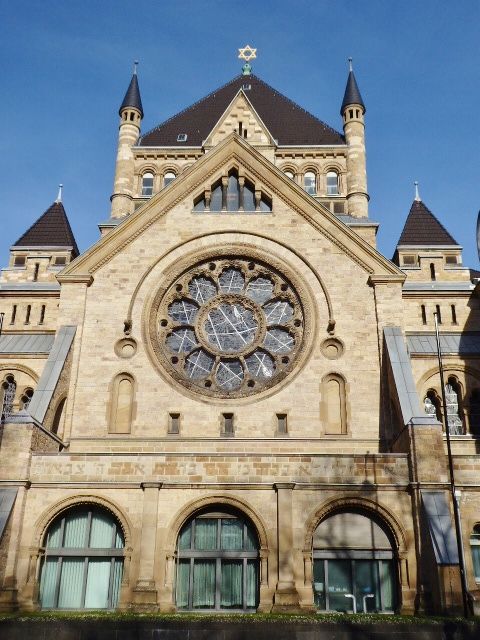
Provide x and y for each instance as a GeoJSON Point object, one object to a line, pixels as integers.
{"type": "Point", "coordinates": [217, 563]}
{"type": "Point", "coordinates": [83, 560]}
{"type": "Point", "coordinates": [354, 569]}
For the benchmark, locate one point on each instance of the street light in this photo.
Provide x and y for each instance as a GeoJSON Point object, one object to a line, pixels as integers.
{"type": "Point", "coordinates": [456, 510]}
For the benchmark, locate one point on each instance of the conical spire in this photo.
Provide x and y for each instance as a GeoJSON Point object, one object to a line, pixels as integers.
{"type": "Point", "coordinates": [52, 229]}
{"type": "Point", "coordinates": [132, 97]}
{"type": "Point", "coordinates": [352, 92]}
{"type": "Point", "coordinates": [422, 228]}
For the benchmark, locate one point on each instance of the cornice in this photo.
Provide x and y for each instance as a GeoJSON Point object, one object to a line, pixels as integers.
{"type": "Point", "coordinates": [80, 278]}
{"type": "Point", "coordinates": [232, 149]}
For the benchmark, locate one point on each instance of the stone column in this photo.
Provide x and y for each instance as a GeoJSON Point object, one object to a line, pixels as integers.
{"type": "Point", "coordinates": [286, 596]}
{"type": "Point", "coordinates": [9, 590]}
{"type": "Point", "coordinates": [145, 591]}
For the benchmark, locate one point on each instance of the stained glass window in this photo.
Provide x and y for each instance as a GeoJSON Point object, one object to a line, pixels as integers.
{"type": "Point", "coordinates": [230, 326]}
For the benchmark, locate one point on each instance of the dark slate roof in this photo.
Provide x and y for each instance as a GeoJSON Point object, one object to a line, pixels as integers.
{"type": "Point", "coordinates": [52, 229]}
{"type": "Point", "coordinates": [132, 97]}
{"type": "Point", "coordinates": [288, 123]}
{"type": "Point", "coordinates": [352, 94]}
{"type": "Point", "coordinates": [423, 228]}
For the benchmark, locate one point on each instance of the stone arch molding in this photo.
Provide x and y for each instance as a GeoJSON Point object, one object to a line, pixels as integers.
{"type": "Point", "coordinates": [19, 367]}
{"type": "Point", "coordinates": [191, 508]}
{"type": "Point", "coordinates": [375, 509]}
{"type": "Point", "coordinates": [46, 519]}
{"type": "Point", "coordinates": [253, 243]}
{"type": "Point", "coordinates": [450, 369]}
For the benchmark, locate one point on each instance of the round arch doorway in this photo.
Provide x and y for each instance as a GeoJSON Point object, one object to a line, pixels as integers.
{"type": "Point", "coordinates": [217, 564]}
{"type": "Point", "coordinates": [354, 567]}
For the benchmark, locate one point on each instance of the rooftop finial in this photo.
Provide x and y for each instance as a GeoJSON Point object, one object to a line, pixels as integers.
{"type": "Point", "coordinates": [350, 65]}
{"type": "Point", "coordinates": [247, 53]}
{"type": "Point", "coordinates": [417, 195]}
{"type": "Point", "coordinates": [135, 65]}
{"type": "Point", "coordinates": [59, 197]}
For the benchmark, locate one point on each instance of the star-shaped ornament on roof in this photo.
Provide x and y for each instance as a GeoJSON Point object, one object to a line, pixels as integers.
{"type": "Point", "coordinates": [247, 53]}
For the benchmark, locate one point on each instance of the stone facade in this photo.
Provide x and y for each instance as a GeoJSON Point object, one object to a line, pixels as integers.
{"type": "Point", "coordinates": [295, 453]}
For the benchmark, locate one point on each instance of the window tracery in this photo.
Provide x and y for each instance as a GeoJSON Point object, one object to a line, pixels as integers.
{"type": "Point", "coordinates": [233, 193]}
{"type": "Point", "coordinates": [229, 327]}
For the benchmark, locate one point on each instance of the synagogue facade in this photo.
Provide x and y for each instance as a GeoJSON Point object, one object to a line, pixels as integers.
{"type": "Point", "coordinates": [231, 401]}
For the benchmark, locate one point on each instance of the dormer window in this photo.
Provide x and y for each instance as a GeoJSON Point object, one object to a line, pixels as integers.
{"type": "Point", "coordinates": [310, 182]}
{"type": "Point", "coordinates": [182, 137]}
{"type": "Point", "coordinates": [332, 183]}
{"type": "Point", "coordinates": [168, 178]}
{"type": "Point", "coordinates": [246, 86]}
{"type": "Point", "coordinates": [147, 185]}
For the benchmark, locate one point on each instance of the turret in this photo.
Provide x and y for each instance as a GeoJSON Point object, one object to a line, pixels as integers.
{"type": "Point", "coordinates": [353, 111]}
{"type": "Point", "coordinates": [131, 114]}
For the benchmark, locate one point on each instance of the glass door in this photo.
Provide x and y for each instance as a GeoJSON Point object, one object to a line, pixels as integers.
{"type": "Point", "coordinates": [339, 578]}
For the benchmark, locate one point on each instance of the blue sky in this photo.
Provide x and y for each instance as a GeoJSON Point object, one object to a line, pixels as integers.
{"type": "Point", "coordinates": [66, 65]}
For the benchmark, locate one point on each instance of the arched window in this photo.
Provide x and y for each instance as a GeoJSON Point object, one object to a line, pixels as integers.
{"type": "Point", "coordinates": [83, 562]}
{"type": "Point", "coordinates": [147, 184]}
{"type": "Point", "coordinates": [310, 182]}
{"type": "Point", "coordinates": [168, 178]}
{"type": "Point", "coordinates": [353, 565]}
{"type": "Point", "coordinates": [217, 563]}
{"type": "Point", "coordinates": [432, 406]}
{"type": "Point", "coordinates": [475, 546]}
{"type": "Point", "coordinates": [122, 404]}
{"type": "Point", "coordinates": [232, 195]}
{"type": "Point", "coordinates": [332, 183]}
{"type": "Point", "coordinates": [453, 396]}
{"type": "Point", "coordinates": [289, 174]}
{"type": "Point", "coordinates": [9, 388]}
{"type": "Point", "coordinates": [475, 412]}
{"type": "Point", "coordinates": [334, 404]}
{"type": "Point", "coordinates": [26, 398]}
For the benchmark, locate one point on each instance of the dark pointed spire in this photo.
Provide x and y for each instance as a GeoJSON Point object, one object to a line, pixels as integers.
{"type": "Point", "coordinates": [52, 229]}
{"type": "Point", "coordinates": [352, 92]}
{"type": "Point", "coordinates": [132, 97]}
{"type": "Point", "coordinates": [422, 228]}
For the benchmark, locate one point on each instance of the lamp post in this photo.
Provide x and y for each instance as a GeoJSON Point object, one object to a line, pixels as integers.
{"type": "Point", "coordinates": [456, 510]}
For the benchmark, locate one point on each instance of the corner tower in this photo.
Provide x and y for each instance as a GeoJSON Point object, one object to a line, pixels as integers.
{"type": "Point", "coordinates": [131, 114]}
{"type": "Point", "coordinates": [353, 112]}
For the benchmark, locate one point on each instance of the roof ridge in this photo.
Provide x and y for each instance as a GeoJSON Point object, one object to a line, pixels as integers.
{"type": "Point", "coordinates": [296, 105]}
{"type": "Point", "coordinates": [66, 230]}
{"type": "Point", "coordinates": [179, 113]}
{"type": "Point", "coordinates": [418, 209]}
{"type": "Point", "coordinates": [227, 84]}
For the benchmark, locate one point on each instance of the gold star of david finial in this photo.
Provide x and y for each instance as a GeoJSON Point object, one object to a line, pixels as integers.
{"type": "Point", "coordinates": [247, 53]}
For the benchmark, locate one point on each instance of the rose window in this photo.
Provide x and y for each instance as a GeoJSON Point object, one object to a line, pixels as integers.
{"type": "Point", "coordinates": [229, 327]}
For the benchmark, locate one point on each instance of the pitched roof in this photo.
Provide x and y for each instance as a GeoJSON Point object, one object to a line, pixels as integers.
{"type": "Point", "coordinates": [352, 94]}
{"type": "Point", "coordinates": [288, 123]}
{"type": "Point", "coordinates": [52, 229]}
{"type": "Point", "coordinates": [132, 97]}
{"type": "Point", "coordinates": [423, 228]}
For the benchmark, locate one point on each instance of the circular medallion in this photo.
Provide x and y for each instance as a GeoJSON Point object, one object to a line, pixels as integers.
{"type": "Point", "coordinates": [228, 327]}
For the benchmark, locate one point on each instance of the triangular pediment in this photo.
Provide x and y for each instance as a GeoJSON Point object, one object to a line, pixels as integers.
{"type": "Point", "coordinates": [233, 152]}
{"type": "Point", "coordinates": [240, 117]}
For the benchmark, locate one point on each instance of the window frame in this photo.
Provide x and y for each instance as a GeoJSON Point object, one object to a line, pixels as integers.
{"type": "Point", "coordinates": [311, 189]}
{"type": "Point", "coordinates": [218, 555]}
{"type": "Point", "coordinates": [84, 553]}
{"type": "Point", "coordinates": [337, 183]}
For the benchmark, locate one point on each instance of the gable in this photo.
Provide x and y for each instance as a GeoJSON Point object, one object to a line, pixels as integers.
{"type": "Point", "coordinates": [233, 152]}
{"type": "Point", "coordinates": [240, 117]}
